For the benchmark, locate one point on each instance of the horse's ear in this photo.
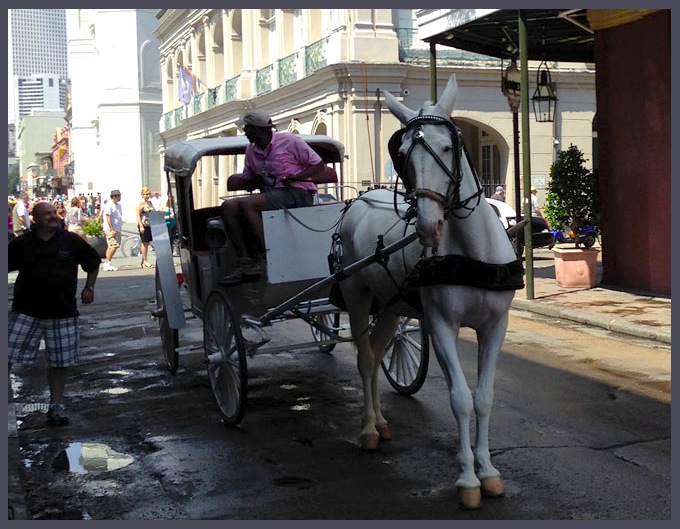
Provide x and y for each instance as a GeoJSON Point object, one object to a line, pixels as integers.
{"type": "Point", "coordinates": [449, 96]}
{"type": "Point", "coordinates": [401, 111]}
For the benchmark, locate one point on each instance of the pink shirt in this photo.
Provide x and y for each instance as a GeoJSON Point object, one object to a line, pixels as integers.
{"type": "Point", "coordinates": [287, 154]}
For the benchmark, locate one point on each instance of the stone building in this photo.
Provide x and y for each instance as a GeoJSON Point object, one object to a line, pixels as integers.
{"type": "Point", "coordinates": [321, 71]}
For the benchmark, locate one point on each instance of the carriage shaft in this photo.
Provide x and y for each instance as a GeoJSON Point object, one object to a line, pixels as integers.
{"type": "Point", "coordinates": [346, 272]}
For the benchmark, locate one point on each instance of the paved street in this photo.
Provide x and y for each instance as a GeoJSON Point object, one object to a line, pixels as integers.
{"type": "Point", "coordinates": [580, 429]}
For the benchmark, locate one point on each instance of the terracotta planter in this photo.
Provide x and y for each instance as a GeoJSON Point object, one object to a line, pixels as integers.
{"type": "Point", "coordinates": [575, 267]}
{"type": "Point", "coordinates": [98, 242]}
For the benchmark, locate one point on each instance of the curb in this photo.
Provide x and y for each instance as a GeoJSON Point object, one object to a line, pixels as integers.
{"type": "Point", "coordinates": [613, 325]}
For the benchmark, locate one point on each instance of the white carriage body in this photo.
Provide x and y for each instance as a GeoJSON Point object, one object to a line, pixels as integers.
{"type": "Point", "coordinates": [298, 241]}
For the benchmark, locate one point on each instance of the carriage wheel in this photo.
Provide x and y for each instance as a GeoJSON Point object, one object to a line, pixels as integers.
{"type": "Point", "coordinates": [225, 358]}
{"type": "Point", "coordinates": [407, 357]}
{"type": "Point", "coordinates": [169, 337]}
{"type": "Point", "coordinates": [330, 320]}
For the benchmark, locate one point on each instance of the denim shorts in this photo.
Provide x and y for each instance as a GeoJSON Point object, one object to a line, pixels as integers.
{"type": "Point", "coordinates": [60, 335]}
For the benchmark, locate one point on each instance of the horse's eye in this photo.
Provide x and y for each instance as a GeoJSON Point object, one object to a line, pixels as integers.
{"type": "Point", "coordinates": [448, 148]}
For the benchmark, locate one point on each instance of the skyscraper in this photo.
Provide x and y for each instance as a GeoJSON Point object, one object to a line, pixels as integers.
{"type": "Point", "coordinates": [37, 53]}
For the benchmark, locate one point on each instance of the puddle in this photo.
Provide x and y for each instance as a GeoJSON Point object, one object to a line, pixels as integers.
{"type": "Point", "coordinates": [122, 372]}
{"type": "Point", "coordinates": [301, 407]}
{"type": "Point", "coordinates": [116, 391]}
{"type": "Point", "coordinates": [288, 386]}
{"type": "Point", "coordinates": [81, 458]}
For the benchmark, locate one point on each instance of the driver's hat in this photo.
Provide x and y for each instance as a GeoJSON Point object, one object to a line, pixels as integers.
{"type": "Point", "coordinates": [256, 118]}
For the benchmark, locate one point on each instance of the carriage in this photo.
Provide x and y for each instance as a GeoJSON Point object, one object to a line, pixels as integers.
{"type": "Point", "coordinates": [298, 282]}
{"type": "Point", "coordinates": [463, 272]}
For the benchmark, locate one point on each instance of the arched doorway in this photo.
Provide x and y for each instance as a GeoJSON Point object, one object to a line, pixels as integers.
{"type": "Point", "coordinates": [488, 153]}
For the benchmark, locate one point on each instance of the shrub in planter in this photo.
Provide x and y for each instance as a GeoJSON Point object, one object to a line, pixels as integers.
{"type": "Point", "coordinates": [94, 230]}
{"type": "Point", "coordinates": [94, 227]}
{"type": "Point", "coordinates": [573, 193]}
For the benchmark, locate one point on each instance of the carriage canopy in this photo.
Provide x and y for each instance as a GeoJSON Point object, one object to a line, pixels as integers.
{"type": "Point", "coordinates": [181, 157]}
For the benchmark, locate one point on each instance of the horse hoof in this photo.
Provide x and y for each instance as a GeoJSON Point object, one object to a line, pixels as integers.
{"type": "Point", "coordinates": [383, 432]}
{"type": "Point", "coordinates": [493, 487]}
{"type": "Point", "coordinates": [469, 498]}
{"type": "Point", "coordinates": [369, 441]}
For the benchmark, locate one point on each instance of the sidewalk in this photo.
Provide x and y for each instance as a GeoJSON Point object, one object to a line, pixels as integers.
{"type": "Point", "coordinates": [625, 312]}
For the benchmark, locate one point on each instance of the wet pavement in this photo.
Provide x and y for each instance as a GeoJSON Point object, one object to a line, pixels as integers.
{"type": "Point", "coordinates": [631, 313]}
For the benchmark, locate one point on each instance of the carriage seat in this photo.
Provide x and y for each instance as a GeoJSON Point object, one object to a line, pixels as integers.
{"type": "Point", "coordinates": [238, 181]}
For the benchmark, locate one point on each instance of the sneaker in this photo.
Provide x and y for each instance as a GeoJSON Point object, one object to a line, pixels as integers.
{"type": "Point", "coordinates": [56, 415]}
{"type": "Point", "coordinates": [253, 270]}
{"type": "Point", "coordinates": [247, 269]}
{"type": "Point", "coordinates": [108, 267]}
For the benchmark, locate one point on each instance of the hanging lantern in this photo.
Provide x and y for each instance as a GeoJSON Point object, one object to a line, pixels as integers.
{"type": "Point", "coordinates": [544, 97]}
{"type": "Point", "coordinates": [511, 84]}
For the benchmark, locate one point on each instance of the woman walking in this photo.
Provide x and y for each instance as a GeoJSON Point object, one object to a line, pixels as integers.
{"type": "Point", "coordinates": [144, 225]}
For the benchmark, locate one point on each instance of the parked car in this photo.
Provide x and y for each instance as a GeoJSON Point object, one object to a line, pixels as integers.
{"type": "Point", "coordinates": [541, 235]}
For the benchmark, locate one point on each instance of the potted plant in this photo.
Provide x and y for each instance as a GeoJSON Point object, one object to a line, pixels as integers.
{"type": "Point", "coordinates": [94, 230]}
{"type": "Point", "coordinates": [573, 201]}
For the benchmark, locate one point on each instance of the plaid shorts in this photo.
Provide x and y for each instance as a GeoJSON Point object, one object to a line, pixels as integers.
{"type": "Point", "coordinates": [60, 335]}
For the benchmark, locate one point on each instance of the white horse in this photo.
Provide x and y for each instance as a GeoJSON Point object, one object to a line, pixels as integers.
{"type": "Point", "coordinates": [468, 280]}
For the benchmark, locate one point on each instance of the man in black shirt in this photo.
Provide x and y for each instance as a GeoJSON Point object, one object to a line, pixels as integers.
{"type": "Point", "coordinates": [44, 305]}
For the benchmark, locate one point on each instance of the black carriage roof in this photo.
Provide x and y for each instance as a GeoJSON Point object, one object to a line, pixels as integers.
{"type": "Point", "coordinates": [181, 157]}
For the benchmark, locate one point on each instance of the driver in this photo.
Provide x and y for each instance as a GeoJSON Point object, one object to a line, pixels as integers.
{"type": "Point", "coordinates": [280, 165]}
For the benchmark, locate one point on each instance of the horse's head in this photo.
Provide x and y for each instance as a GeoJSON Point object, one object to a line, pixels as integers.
{"type": "Point", "coordinates": [429, 161]}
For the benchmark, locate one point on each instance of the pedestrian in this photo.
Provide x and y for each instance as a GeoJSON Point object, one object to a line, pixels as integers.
{"type": "Point", "coordinates": [90, 205]}
{"type": "Point", "coordinates": [171, 223]}
{"type": "Point", "coordinates": [535, 210]}
{"type": "Point", "coordinates": [47, 259]}
{"type": "Point", "coordinates": [280, 165]}
{"type": "Point", "coordinates": [144, 208]}
{"type": "Point", "coordinates": [112, 220]}
{"type": "Point", "coordinates": [61, 213]}
{"type": "Point", "coordinates": [156, 201]}
{"type": "Point", "coordinates": [10, 222]}
{"type": "Point", "coordinates": [21, 215]}
{"type": "Point", "coordinates": [499, 194]}
{"type": "Point", "coordinates": [74, 218]}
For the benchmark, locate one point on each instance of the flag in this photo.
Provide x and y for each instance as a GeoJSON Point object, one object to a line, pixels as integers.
{"type": "Point", "coordinates": [185, 85]}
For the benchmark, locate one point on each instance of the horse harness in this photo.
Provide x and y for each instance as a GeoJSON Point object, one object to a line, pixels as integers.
{"type": "Point", "coordinates": [450, 202]}
{"type": "Point", "coordinates": [447, 269]}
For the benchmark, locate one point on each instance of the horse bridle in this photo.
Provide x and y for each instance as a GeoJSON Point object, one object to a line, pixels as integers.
{"type": "Point", "coordinates": [450, 202]}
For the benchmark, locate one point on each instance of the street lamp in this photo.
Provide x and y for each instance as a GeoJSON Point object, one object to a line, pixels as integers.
{"type": "Point", "coordinates": [544, 97]}
{"type": "Point", "coordinates": [511, 88]}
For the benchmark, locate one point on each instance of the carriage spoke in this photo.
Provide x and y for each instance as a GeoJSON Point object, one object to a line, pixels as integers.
{"type": "Point", "coordinates": [406, 358]}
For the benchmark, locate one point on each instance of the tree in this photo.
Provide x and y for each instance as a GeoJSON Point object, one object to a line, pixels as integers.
{"type": "Point", "coordinates": [12, 179]}
{"type": "Point", "coordinates": [573, 193]}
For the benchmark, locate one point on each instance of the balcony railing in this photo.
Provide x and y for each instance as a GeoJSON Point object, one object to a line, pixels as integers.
{"type": "Point", "coordinates": [179, 115]}
{"type": "Point", "coordinates": [212, 97]}
{"type": "Point", "coordinates": [414, 50]}
{"type": "Point", "coordinates": [288, 70]}
{"type": "Point", "coordinates": [263, 80]}
{"type": "Point", "coordinates": [316, 56]}
{"type": "Point", "coordinates": [231, 89]}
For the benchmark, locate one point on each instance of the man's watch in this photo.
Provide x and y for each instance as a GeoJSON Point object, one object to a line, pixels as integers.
{"type": "Point", "coordinates": [88, 287]}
